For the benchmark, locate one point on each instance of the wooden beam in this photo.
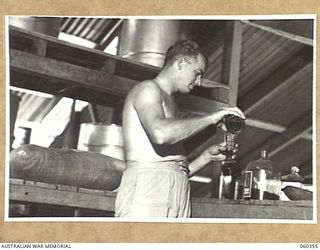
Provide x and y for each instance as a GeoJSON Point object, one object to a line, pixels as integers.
{"type": "Point", "coordinates": [265, 125]}
{"type": "Point", "coordinates": [107, 39]}
{"type": "Point", "coordinates": [231, 59]}
{"type": "Point", "coordinates": [197, 104]}
{"type": "Point", "coordinates": [40, 47]}
{"type": "Point", "coordinates": [101, 81]}
{"type": "Point", "coordinates": [69, 73]}
{"type": "Point", "coordinates": [293, 37]}
{"type": "Point", "coordinates": [307, 135]}
{"type": "Point", "coordinates": [35, 192]}
{"type": "Point", "coordinates": [109, 66]}
{"type": "Point", "coordinates": [251, 209]}
{"type": "Point", "coordinates": [201, 207]}
{"type": "Point", "coordinates": [92, 113]}
{"type": "Point", "coordinates": [260, 91]}
{"type": "Point", "coordinates": [301, 27]}
{"type": "Point", "coordinates": [265, 98]}
{"type": "Point", "coordinates": [288, 143]}
{"type": "Point", "coordinates": [276, 142]}
{"type": "Point", "coordinates": [21, 39]}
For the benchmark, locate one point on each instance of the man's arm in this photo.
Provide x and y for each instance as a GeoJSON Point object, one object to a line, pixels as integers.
{"type": "Point", "coordinates": [213, 153]}
{"type": "Point", "coordinates": [162, 130]}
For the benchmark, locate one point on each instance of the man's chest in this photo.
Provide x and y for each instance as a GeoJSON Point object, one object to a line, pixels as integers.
{"type": "Point", "coordinates": [169, 107]}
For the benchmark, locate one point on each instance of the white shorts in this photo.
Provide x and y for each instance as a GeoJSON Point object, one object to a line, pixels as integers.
{"type": "Point", "coordinates": [153, 189]}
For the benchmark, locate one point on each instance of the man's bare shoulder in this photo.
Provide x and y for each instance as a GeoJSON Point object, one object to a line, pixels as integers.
{"type": "Point", "coordinates": [147, 87]}
{"type": "Point", "coordinates": [144, 93]}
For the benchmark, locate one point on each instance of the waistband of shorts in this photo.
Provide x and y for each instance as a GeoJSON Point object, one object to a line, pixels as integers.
{"type": "Point", "coordinates": [182, 165]}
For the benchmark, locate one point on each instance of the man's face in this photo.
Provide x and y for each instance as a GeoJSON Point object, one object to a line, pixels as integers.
{"type": "Point", "coordinates": [190, 73]}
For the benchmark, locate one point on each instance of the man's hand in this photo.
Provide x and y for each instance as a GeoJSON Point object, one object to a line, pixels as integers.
{"type": "Point", "coordinates": [218, 116]}
{"type": "Point", "coordinates": [213, 153]}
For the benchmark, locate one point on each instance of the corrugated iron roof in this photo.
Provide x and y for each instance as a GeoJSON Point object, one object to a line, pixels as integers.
{"type": "Point", "coordinates": [34, 108]}
{"type": "Point", "coordinates": [98, 30]}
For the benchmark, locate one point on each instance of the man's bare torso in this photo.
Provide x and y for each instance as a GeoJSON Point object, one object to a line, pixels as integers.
{"type": "Point", "coordinates": [138, 146]}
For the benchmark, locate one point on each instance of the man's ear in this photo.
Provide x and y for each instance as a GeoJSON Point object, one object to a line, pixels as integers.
{"type": "Point", "coordinates": [180, 63]}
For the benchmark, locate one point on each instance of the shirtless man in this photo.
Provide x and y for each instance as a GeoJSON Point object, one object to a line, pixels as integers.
{"type": "Point", "coordinates": [155, 182]}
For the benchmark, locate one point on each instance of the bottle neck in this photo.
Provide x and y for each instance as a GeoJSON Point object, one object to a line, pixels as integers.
{"type": "Point", "coordinates": [264, 154]}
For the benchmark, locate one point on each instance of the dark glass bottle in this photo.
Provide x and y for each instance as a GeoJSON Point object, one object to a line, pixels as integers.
{"type": "Point", "coordinates": [230, 171]}
{"type": "Point", "coordinates": [234, 124]}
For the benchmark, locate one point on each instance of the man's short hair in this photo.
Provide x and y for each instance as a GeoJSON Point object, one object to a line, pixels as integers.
{"type": "Point", "coordinates": [182, 49]}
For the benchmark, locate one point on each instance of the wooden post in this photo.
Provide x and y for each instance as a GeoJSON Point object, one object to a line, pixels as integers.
{"type": "Point", "coordinates": [231, 59]}
{"type": "Point", "coordinates": [230, 74]}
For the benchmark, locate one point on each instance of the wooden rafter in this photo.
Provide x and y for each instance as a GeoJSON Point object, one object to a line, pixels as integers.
{"type": "Point", "coordinates": [293, 37]}
{"type": "Point", "coordinates": [279, 141]}
{"type": "Point", "coordinates": [288, 142]}
{"type": "Point", "coordinates": [260, 91]}
{"type": "Point", "coordinates": [231, 59]}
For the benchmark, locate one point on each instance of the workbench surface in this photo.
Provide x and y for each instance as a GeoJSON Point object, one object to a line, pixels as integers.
{"type": "Point", "coordinates": [53, 194]}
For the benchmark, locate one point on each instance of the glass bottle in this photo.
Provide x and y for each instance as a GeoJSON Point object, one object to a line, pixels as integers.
{"type": "Point", "coordinates": [230, 170]}
{"type": "Point", "coordinates": [234, 124]}
{"type": "Point", "coordinates": [261, 179]}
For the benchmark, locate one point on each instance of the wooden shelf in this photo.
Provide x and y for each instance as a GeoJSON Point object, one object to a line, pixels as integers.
{"type": "Point", "coordinates": [47, 64]}
{"type": "Point", "coordinates": [252, 209]}
{"type": "Point", "coordinates": [61, 195]}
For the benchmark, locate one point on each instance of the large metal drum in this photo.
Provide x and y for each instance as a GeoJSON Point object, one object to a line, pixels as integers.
{"type": "Point", "coordinates": [45, 25]}
{"type": "Point", "coordinates": [102, 138]}
{"type": "Point", "coordinates": [146, 40]}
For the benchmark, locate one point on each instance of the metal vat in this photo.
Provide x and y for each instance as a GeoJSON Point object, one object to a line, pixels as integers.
{"type": "Point", "coordinates": [102, 138]}
{"type": "Point", "coordinates": [45, 25]}
{"type": "Point", "coordinates": [147, 41]}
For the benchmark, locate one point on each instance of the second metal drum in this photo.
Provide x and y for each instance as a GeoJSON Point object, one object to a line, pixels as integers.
{"type": "Point", "coordinates": [102, 138]}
